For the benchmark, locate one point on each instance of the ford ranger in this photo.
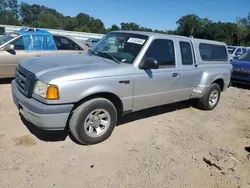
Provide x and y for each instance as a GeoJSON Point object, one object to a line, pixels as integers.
{"type": "Point", "coordinates": [126, 71]}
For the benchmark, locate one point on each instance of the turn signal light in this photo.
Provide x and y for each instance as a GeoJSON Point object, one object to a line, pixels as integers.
{"type": "Point", "coordinates": [52, 92]}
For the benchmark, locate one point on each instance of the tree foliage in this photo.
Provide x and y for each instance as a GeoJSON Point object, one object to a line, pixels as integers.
{"type": "Point", "coordinates": [232, 33]}
{"type": "Point", "coordinates": [14, 13]}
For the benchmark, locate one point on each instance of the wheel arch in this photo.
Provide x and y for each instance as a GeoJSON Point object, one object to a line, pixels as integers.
{"type": "Point", "coordinates": [107, 95]}
{"type": "Point", "coordinates": [220, 82]}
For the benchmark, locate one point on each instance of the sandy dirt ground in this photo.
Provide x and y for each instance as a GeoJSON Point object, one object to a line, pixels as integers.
{"type": "Point", "coordinates": [170, 146]}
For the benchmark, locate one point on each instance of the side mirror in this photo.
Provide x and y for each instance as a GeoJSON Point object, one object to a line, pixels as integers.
{"type": "Point", "coordinates": [149, 63]}
{"type": "Point", "coordinates": [8, 47]}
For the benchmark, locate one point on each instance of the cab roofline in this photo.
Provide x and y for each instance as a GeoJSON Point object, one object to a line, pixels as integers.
{"type": "Point", "coordinates": [161, 35]}
{"type": "Point", "coordinates": [26, 31]}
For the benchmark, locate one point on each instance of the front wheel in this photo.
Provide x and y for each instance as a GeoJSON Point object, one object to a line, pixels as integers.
{"type": "Point", "coordinates": [211, 97]}
{"type": "Point", "coordinates": [93, 121]}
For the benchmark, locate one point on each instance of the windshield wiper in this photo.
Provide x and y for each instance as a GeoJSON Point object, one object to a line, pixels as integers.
{"type": "Point", "coordinates": [109, 56]}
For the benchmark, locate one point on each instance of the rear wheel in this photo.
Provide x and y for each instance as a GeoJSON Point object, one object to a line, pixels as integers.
{"type": "Point", "coordinates": [93, 121]}
{"type": "Point", "coordinates": [211, 97]}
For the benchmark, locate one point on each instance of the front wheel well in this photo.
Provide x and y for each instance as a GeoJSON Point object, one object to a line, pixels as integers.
{"type": "Point", "coordinates": [109, 96]}
{"type": "Point", "coordinates": [220, 82]}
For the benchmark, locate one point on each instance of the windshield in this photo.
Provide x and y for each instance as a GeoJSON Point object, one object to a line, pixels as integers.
{"type": "Point", "coordinates": [245, 57]}
{"type": "Point", "coordinates": [231, 50]}
{"type": "Point", "coordinates": [123, 47]}
{"type": "Point", "coordinates": [5, 38]}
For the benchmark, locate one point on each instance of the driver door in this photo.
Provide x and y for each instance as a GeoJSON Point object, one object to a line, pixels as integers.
{"type": "Point", "coordinates": [160, 86]}
{"type": "Point", "coordinates": [10, 59]}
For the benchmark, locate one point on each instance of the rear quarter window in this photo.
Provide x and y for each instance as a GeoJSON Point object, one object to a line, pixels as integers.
{"type": "Point", "coordinates": [213, 52]}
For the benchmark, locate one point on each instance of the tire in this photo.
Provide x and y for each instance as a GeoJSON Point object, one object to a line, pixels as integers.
{"type": "Point", "coordinates": [80, 122]}
{"type": "Point", "coordinates": [204, 103]}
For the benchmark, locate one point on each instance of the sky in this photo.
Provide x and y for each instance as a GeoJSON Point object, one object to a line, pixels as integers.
{"type": "Point", "coordinates": [154, 14]}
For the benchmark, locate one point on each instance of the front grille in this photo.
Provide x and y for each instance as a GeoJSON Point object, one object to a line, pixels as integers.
{"type": "Point", "coordinates": [25, 81]}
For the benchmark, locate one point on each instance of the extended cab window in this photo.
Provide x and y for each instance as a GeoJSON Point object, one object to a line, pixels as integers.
{"type": "Point", "coordinates": [163, 51]}
{"type": "Point", "coordinates": [186, 53]}
{"type": "Point", "coordinates": [213, 52]}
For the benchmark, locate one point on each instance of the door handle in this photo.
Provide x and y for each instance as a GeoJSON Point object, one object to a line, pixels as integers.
{"type": "Point", "coordinates": [37, 55]}
{"type": "Point", "coordinates": [175, 74]}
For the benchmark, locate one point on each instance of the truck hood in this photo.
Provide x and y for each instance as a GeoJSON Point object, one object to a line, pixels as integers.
{"type": "Point", "coordinates": [72, 67]}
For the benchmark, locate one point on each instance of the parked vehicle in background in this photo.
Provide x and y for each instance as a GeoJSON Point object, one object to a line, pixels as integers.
{"type": "Point", "coordinates": [29, 43]}
{"type": "Point", "coordinates": [2, 30]}
{"type": "Point", "coordinates": [124, 72]}
{"type": "Point", "coordinates": [236, 51]}
{"type": "Point", "coordinates": [241, 69]}
{"type": "Point", "coordinates": [91, 42]}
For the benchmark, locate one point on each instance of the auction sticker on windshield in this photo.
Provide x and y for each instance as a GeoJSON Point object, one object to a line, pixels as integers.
{"type": "Point", "coordinates": [136, 41]}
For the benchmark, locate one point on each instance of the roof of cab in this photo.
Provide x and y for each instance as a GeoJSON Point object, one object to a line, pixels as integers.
{"type": "Point", "coordinates": [27, 31]}
{"type": "Point", "coordinates": [153, 34]}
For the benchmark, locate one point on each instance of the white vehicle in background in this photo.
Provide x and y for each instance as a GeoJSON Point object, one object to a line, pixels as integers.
{"type": "Point", "coordinates": [236, 51]}
{"type": "Point", "coordinates": [91, 41]}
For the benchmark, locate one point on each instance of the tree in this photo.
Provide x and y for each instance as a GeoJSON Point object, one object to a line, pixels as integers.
{"type": "Point", "coordinates": [9, 12]}
{"type": "Point", "coordinates": [13, 7]}
{"type": "Point", "coordinates": [130, 26]}
{"type": "Point", "coordinates": [29, 13]}
{"type": "Point", "coordinates": [242, 30]}
{"type": "Point", "coordinates": [83, 28]}
{"type": "Point", "coordinates": [96, 26]}
{"type": "Point", "coordinates": [189, 25]}
{"type": "Point", "coordinates": [48, 20]}
{"type": "Point", "coordinates": [83, 19]}
{"type": "Point", "coordinates": [146, 29]}
{"type": "Point", "coordinates": [69, 23]}
{"type": "Point", "coordinates": [8, 18]}
{"type": "Point", "coordinates": [114, 28]}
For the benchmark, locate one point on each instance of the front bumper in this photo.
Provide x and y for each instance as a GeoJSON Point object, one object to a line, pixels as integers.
{"type": "Point", "coordinates": [44, 116]}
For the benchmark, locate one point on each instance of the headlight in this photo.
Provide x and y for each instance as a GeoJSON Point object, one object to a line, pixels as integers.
{"type": "Point", "coordinates": [46, 91]}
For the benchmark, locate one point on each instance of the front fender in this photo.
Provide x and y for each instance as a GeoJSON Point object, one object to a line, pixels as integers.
{"type": "Point", "coordinates": [97, 89]}
{"type": "Point", "coordinates": [73, 92]}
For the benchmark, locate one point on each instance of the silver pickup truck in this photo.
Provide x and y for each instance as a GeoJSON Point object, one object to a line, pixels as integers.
{"type": "Point", "coordinates": [124, 72]}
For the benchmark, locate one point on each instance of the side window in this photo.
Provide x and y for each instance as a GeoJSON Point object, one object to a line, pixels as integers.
{"type": "Point", "coordinates": [38, 42]}
{"type": "Point", "coordinates": [61, 43]}
{"type": "Point", "coordinates": [34, 42]}
{"type": "Point", "coordinates": [244, 50]}
{"type": "Point", "coordinates": [186, 53]}
{"type": "Point", "coordinates": [163, 51]}
{"type": "Point", "coordinates": [238, 51]}
{"type": "Point", "coordinates": [50, 43]}
{"type": "Point", "coordinates": [18, 44]}
{"type": "Point", "coordinates": [74, 46]}
{"type": "Point", "coordinates": [212, 52]}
